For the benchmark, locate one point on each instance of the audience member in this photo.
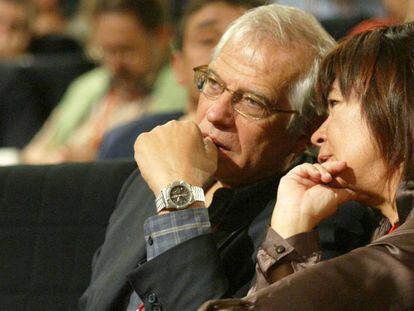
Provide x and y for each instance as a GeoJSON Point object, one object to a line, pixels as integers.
{"type": "Point", "coordinates": [48, 18]}
{"type": "Point", "coordinates": [198, 32]}
{"type": "Point", "coordinates": [80, 25]}
{"type": "Point", "coordinates": [397, 12]}
{"type": "Point", "coordinates": [331, 9]}
{"type": "Point", "coordinates": [130, 38]}
{"type": "Point", "coordinates": [15, 32]}
{"type": "Point", "coordinates": [366, 152]}
{"type": "Point", "coordinates": [255, 114]}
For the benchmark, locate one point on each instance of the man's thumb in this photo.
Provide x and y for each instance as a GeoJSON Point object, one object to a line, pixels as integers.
{"type": "Point", "coordinates": [210, 148]}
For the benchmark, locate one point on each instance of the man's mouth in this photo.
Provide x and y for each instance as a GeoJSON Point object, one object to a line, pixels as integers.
{"type": "Point", "coordinates": [218, 144]}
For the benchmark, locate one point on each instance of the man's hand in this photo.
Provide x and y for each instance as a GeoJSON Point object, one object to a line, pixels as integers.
{"type": "Point", "coordinates": [175, 151]}
{"type": "Point", "coordinates": [308, 194]}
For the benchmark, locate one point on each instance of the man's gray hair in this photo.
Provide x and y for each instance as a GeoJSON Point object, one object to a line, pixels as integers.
{"type": "Point", "coordinates": [288, 27]}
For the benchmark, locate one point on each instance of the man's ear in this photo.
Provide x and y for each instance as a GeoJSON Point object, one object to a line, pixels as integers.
{"type": "Point", "coordinates": [178, 66]}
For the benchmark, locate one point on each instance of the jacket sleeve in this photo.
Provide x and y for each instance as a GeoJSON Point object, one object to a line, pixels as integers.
{"type": "Point", "coordinates": [183, 277]}
{"type": "Point", "coordinates": [375, 277]}
{"type": "Point", "coordinates": [297, 252]}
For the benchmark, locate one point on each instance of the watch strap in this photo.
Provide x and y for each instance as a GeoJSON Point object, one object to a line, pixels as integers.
{"type": "Point", "coordinates": [198, 194]}
{"type": "Point", "coordinates": [161, 202]}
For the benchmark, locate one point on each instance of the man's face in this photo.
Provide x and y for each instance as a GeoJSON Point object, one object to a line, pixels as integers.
{"type": "Point", "coordinates": [250, 150]}
{"type": "Point", "coordinates": [14, 32]}
{"type": "Point", "coordinates": [127, 48]}
{"type": "Point", "coordinates": [201, 34]}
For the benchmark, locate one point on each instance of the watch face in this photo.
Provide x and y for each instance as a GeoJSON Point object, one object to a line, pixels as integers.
{"type": "Point", "coordinates": [180, 196]}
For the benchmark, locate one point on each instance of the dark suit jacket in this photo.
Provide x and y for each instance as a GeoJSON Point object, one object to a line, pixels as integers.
{"type": "Point", "coordinates": [202, 268]}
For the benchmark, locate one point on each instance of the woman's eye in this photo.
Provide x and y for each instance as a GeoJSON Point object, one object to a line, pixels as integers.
{"type": "Point", "coordinates": [332, 103]}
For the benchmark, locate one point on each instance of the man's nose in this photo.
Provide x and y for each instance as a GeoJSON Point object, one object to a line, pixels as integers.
{"type": "Point", "coordinates": [221, 111]}
{"type": "Point", "coordinates": [319, 136]}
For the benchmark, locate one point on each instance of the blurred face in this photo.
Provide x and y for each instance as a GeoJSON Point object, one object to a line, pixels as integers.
{"type": "Point", "coordinates": [14, 32]}
{"type": "Point", "coordinates": [396, 9]}
{"type": "Point", "coordinates": [202, 32]}
{"type": "Point", "coordinates": [345, 136]}
{"type": "Point", "coordinates": [46, 4]}
{"type": "Point", "coordinates": [249, 150]}
{"type": "Point", "coordinates": [126, 48]}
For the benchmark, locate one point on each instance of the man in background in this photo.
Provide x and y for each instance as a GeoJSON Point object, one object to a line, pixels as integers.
{"type": "Point", "coordinates": [200, 28]}
{"type": "Point", "coordinates": [130, 39]}
{"type": "Point", "coordinates": [15, 32]}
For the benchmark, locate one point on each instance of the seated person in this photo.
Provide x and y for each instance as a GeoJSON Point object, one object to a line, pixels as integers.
{"type": "Point", "coordinates": [254, 118]}
{"type": "Point", "coordinates": [366, 154]}
{"type": "Point", "coordinates": [396, 12]}
{"type": "Point", "coordinates": [130, 42]}
{"type": "Point", "coordinates": [48, 17]}
{"type": "Point", "coordinates": [15, 34]}
{"type": "Point", "coordinates": [198, 32]}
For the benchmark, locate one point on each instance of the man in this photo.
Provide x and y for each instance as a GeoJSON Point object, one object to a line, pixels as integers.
{"type": "Point", "coordinates": [130, 38]}
{"type": "Point", "coordinates": [15, 32]}
{"type": "Point", "coordinates": [255, 115]}
{"type": "Point", "coordinates": [198, 32]}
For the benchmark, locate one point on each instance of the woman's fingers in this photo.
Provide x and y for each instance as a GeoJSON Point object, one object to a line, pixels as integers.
{"type": "Point", "coordinates": [334, 167]}
{"type": "Point", "coordinates": [319, 173]}
{"type": "Point", "coordinates": [326, 176]}
{"type": "Point", "coordinates": [342, 195]}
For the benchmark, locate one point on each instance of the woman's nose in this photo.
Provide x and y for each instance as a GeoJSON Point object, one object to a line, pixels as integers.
{"type": "Point", "coordinates": [319, 136]}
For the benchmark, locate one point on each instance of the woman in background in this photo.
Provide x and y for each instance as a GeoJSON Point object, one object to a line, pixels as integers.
{"type": "Point", "coordinates": [366, 154]}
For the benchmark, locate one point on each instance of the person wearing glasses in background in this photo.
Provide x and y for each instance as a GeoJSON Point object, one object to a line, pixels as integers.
{"type": "Point", "coordinates": [254, 117]}
{"type": "Point", "coordinates": [129, 38]}
{"type": "Point", "coordinates": [200, 28]}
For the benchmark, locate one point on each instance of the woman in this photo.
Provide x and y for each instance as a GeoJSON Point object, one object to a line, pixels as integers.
{"type": "Point", "coordinates": [366, 154]}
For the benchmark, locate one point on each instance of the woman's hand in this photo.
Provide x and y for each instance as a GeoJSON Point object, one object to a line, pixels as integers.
{"type": "Point", "coordinates": [308, 194]}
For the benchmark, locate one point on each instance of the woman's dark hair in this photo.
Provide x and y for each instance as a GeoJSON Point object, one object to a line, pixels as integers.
{"type": "Point", "coordinates": [378, 67]}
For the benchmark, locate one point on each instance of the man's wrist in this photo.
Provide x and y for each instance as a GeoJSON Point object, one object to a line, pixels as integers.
{"type": "Point", "coordinates": [179, 195]}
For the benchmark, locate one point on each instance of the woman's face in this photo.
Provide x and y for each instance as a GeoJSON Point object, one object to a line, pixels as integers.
{"type": "Point", "coordinates": [345, 136]}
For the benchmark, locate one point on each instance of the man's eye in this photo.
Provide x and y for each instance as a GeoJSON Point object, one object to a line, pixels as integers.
{"type": "Point", "coordinates": [213, 84]}
{"type": "Point", "coordinates": [208, 42]}
{"type": "Point", "coordinates": [251, 103]}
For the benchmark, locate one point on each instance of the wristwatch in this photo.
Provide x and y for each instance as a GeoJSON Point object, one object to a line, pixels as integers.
{"type": "Point", "coordinates": [178, 195]}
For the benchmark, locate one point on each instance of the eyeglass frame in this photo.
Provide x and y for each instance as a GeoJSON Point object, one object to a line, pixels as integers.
{"type": "Point", "coordinates": [237, 96]}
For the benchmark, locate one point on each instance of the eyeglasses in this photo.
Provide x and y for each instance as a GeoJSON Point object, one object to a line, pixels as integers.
{"type": "Point", "coordinates": [247, 104]}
